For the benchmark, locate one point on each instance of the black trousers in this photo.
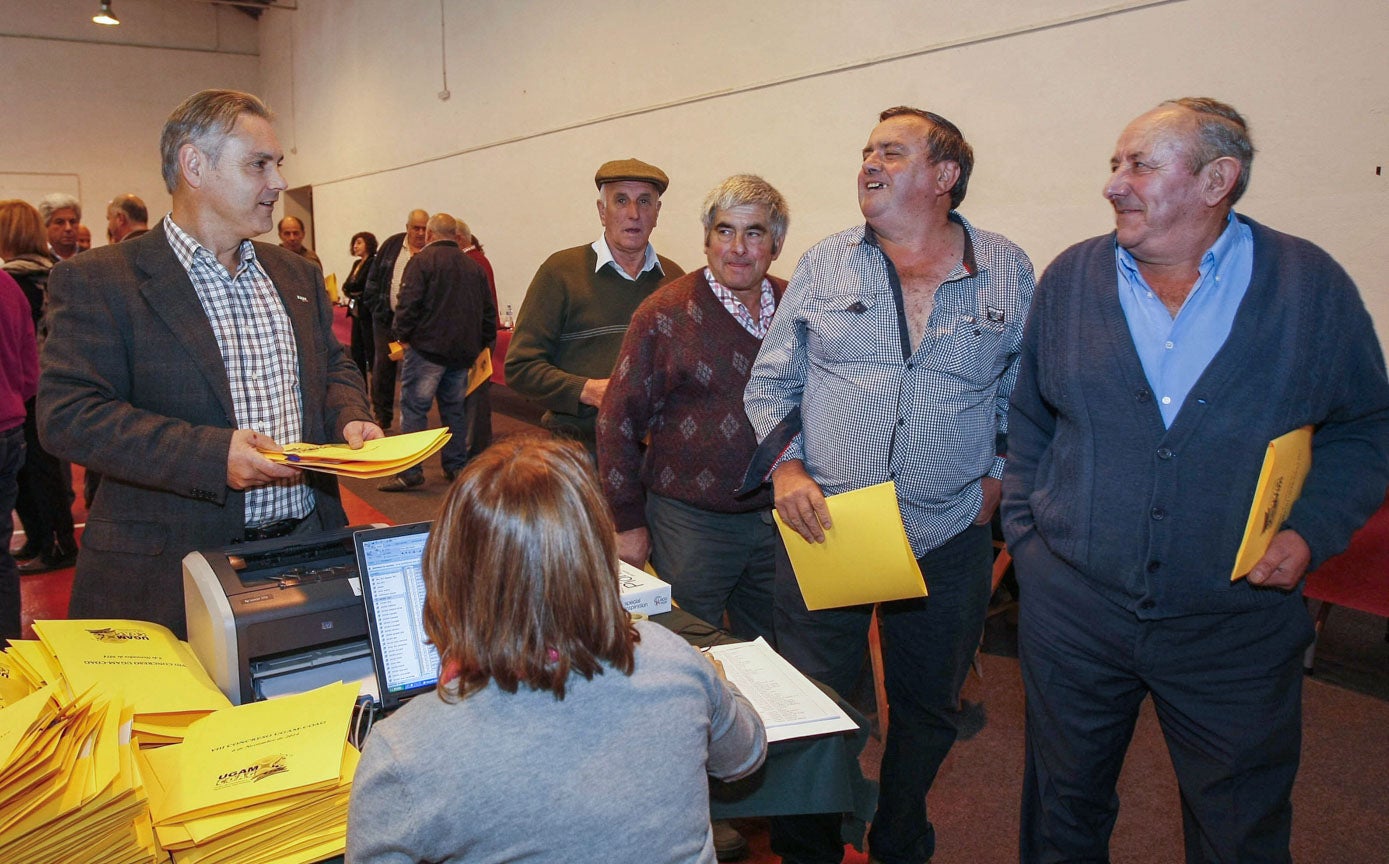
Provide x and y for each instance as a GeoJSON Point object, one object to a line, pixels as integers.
{"type": "Point", "coordinates": [42, 503]}
{"type": "Point", "coordinates": [383, 375]}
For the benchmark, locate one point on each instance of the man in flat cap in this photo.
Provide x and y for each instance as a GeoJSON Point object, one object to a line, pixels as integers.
{"type": "Point", "coordinates": [576, 310]}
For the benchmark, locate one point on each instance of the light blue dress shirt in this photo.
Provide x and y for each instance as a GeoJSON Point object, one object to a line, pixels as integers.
{"type": "Point", "coordinates": [1176, 350]}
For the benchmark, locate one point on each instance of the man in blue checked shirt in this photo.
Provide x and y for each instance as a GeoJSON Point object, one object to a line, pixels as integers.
{"type": "Point", "coordinates": [891, 358]}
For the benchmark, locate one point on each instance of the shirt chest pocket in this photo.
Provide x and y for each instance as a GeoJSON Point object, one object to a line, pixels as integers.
{"type": "Point", "coordinates": [969, 347]}
{"type": "Point", "coordinates": [850, 326]}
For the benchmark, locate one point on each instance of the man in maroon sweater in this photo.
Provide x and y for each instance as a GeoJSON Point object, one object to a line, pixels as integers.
{"type": "Point", "coordinates": [679, 380]}
{"type": "Point", "coordinates": [677, 389]}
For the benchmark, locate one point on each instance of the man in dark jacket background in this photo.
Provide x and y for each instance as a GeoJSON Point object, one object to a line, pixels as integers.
{"type": "Point", "coordinates": [445, 316]}
{"type": "Point", "coordinates": [380, 297]}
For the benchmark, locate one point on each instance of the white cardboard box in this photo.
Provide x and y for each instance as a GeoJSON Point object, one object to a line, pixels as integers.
{"type": "Point", "coordinates": [642, 592]}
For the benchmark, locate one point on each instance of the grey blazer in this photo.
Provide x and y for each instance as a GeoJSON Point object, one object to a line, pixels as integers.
{"type": "Point", "coordinates": [133, 386]}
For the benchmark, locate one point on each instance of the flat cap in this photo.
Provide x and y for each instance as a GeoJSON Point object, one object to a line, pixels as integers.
{"type": "Point", "coordinates": [631, 169]}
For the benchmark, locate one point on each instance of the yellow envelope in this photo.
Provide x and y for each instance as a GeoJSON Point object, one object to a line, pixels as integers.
{"type": "Point", "coordinates": [140, 661]}
{"type": "Point", "coordinates": [259, 751]}
{"type": "Point", "coordinates": [481, 371]}
{"type": "Point", "coordinates": [1285, 467]}
{"type": "Point", "coordinates": [866, 557]}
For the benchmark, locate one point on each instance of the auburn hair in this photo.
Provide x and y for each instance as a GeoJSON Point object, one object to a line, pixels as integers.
{"type": "Point", "coordinates": [521, 572]}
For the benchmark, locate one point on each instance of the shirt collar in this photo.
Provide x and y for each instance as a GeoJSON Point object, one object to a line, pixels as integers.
{"type": "Point", "coordinates": [605, 256]}
{"type": "Point", "coordinates": [188, 250]}
{"type": "Point", "coordinates": [971, 265]}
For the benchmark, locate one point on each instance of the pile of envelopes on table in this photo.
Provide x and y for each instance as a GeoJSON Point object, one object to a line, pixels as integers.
{"type": "Point", "coordinates": [380, 457]}
{"type": "Point", "coordinates": [116, 746]}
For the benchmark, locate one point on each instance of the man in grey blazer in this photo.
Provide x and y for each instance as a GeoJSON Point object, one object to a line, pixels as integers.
{"type": "Point", "coordinates": [175, 356]}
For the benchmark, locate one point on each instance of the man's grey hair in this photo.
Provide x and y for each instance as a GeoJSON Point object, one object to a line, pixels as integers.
{"type": "Point", "coordinates": [747, 189]}
{"type": "Point", "coordinates": [55, 201]}
{"type": "Point", "coordinates": [443, 226]}
{"type": "Point", "coordinates": [204, 120]}
{"type": "Point", "coordinates": [133, 208]}
{"type": "Point", "coordinates": [1220, 131]}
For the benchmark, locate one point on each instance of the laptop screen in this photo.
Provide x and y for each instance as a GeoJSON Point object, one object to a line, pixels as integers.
{"type": "Point", "coordinates": [389, 562]}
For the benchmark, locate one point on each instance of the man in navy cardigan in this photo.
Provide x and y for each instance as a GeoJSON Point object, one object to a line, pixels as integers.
{"type": "Point", "coordinates": [1159, 361]}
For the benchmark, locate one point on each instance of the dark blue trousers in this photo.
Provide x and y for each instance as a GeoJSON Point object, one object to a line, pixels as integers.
{"type": "Point", "coordinates": [927, 648]}
{"type": "Point", "coordinates": [1227, 691]}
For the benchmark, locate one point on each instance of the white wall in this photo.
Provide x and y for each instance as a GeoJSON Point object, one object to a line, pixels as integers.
{"type": "Point", "coordinates": [83, 104]}
{"type": "Point", "coordinates": [542, 92]}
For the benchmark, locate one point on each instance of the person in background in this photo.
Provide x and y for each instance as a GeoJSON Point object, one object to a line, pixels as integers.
{"type": "Point", "coordinates": [126, 218]}
{"type": "Point", "coordinates": [1159, 362]}
{"type": "Point", "coordinates": [546, 687]}
{"type": "Point", "coordinates": [61, 215]}
{"type": "Point", "coordinates": [480, 400]}
{"type": "Point", "coordinates": [84, 238]}
{"type": "Point", "coordinates": [380, 296]}
{"type": "Point", "coordinates": [43, 504]}
{"type": "Point", "coordinates": [363, 347]}
{"type": "Point", "coordinates": [673, 440]}
{"type": "Point", "coordinates": [291, 232]}
{"type": "Point", "coordinates": [173, 360]}
{"type": "Point", "coordinates": [445, 319]}
{"type": "Point", "coordinates": [578, 305]}
{"type": "Point", "coordinates": [19, 381]}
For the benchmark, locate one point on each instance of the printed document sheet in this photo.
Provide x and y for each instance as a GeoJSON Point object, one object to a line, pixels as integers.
{"type": "Point", "coordinates": [791, 706]}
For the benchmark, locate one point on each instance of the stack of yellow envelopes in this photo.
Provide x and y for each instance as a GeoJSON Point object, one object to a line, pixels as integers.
{"type": "Point", "coordinates": [141, 663]}
{"type": "Point", "coordinates": [380, 457]}
{"type": "Point", "coordinates": [69, 787]}
{"type": "Point", "coordinates": [258, 783]}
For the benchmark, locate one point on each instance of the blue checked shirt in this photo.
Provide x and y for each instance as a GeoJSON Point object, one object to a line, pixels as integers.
{"type": "Point", "coordinates": [257, 344]}
{"type": "Point", "coordinates": [933, 418]}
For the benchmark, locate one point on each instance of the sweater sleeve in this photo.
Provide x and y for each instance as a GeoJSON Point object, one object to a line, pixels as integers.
{"type": "Point", "coordinates": [530, 367]}
{"type": "Point", "coordinates": [737, 736]}
{"type": "Point", "coordinates": [1031, 423]}
{"type": "Point", "coordinates": [624, 420]}
{"type": "Point", "coordinates": [1350, 447]}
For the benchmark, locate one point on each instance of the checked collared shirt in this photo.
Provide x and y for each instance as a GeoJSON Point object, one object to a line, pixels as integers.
{"type": "Point", "coordinates": [256, 340]}
{"type": "Point", "coordinates": [874, 409]}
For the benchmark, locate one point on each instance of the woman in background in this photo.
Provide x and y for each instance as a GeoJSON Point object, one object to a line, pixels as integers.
{"type": "Point", "coordinates": [43, 504]}
{"type": "Point", "coordinates": [363, 248]}
{"type": "Point", "coordinates": [560, 730]}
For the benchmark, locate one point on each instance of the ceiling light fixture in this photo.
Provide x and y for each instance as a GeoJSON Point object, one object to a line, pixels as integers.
{"type": "Point", "coordinates": [105, 16]}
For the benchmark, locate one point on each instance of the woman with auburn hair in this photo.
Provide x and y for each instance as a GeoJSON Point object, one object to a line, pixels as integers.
{"type": "Point", "coordinates": [560, 730]}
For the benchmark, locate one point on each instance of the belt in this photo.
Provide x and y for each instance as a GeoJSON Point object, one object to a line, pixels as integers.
{"type": "Point", "coordinates": [271, 530]}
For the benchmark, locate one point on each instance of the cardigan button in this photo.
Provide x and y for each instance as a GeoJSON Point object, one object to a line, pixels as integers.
{"type": "Point", "coordinates": [1154, 566]}
{"type": "Point", "coordinates": [1158, 514]}
{"type": "Point", "coordinates": [1147, 604]}
{"type": "Point", "coordinates": [1143, 394]}
{"type": "Point", "coordinates": [1164, 453]}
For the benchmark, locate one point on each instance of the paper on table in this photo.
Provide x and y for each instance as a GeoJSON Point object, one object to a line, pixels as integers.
{"type": "Point", "coordinates": [865, 558]}
{"type": "Point", "coordinates": [791, 705]}
{"type": "Point", "coordinates": [1286, 463]}
{"type": "Point", "coordinates": [481, 371]}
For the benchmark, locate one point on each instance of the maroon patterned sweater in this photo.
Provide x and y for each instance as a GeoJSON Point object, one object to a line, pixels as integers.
{"type": "Point", "coordinates": [680, 378]}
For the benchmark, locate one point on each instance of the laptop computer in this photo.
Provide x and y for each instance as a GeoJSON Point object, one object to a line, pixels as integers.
{"type": "Point", "coordinates": [389, 563]}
